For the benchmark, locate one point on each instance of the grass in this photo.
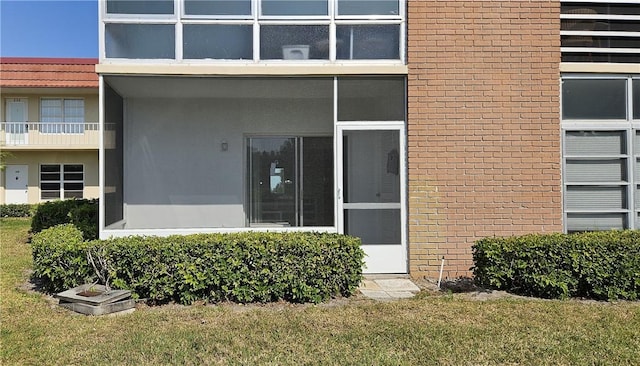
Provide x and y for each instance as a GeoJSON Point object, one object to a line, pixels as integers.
{"type": "Point", "coordinates": [448, 330]}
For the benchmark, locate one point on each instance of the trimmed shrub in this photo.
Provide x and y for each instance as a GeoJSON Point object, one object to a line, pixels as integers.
{"type": "Point", "coordinates": [241, 267]}
{"type": "Point", "coordinates": [16, 210]}
{"type": "Point", "coordinates": [601, 265]}
{"type": "Point", "coordinates": [81, 212]}
{"type": "Point", "coordinates": [60, 257]}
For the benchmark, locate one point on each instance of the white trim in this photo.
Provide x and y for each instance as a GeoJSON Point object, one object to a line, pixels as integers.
{"type": "Point", "coordinates": [600, 33]}
{"type": "Point", "coordinates": [187, 231]}
{"type": "Point", "coordinates": [598, 50]}
{"type": "Point", "coordinates": [101, 180]}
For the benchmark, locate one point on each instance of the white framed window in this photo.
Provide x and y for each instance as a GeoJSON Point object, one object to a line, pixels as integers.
{"type": "Point", "coordinates": [62, 115]}
{"type": "Point", "coordinates": [61, 181]}
{"type": "Point", "coordinates": [256, 30]}
{"type": "Point", "coordinates": [601, 152]}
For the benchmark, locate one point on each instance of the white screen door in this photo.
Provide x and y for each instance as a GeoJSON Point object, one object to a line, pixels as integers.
{"type": "Point", "coordinates": [16, 126]}
{"type": "Point", "coordinates": [16, 183]}
{"type": "Point", "coordinates": [371, 192]}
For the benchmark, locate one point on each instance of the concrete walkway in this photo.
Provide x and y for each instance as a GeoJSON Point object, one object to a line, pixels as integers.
{"type": "Point", "coordinates": [387, 288]}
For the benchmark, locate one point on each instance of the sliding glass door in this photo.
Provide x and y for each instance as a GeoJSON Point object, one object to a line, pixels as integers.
{"type": "Point", "coordinates": [290, 181]}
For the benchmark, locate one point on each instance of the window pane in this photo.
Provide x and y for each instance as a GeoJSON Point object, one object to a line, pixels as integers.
{"type": "Point", "coordinates": [51, 110]}
{"type": "Point", "coordinates": [140, 41]}
{"type": "Point", "coordinates": [140, 6]}
{"type": "Point", "coordinates": [272, 181]}
{"type": "Point", "coordinates": [50, 168]}
{"type": "Point", "coordinates": [317, 191]}
{"type": "Point", "coordinates": [217, 7]}
{"type": "Point", "coordinates": [73, 186]}
{"type": "Point", "coordinates": [371, 99]}
{"type": "Point", "coordinates": [49, 176]}
{"type": "Point", "coordinates": [361, 42]}
{"type": "Point", "coordinates": [73, 168]}
{"type": "Point", "coordinates": [49, 195]}
{"type": "Point", "coordinates": [295, 7]}
{"type": "Point", "coordinates": [595, 143]}
{"type": "Point", "coordinates": [374, 226]}
{"type": "Point", "coordinates": [609, 170]}
{"type": "Point", "coordinates": [604, 221]}
{"type": "Point", "coordinates": [596, 198]}
{"type": "Point", "coordinates": [72, 194]}
{"type": "Point", "coordinates": [74, 110]}
{"type": "Point", "coordinates": [73, 176]}
{"type": "Point", "coordinates": [368, 7]}
{"type": "Point", "coordinates": [636, 99]}
{"type": "Point", "coordinates": [218, 41]}
{"type": "Point", "coordinates": [294, 42]}
{"type": "Point", "coordinates": [594, 99]}
{"type": "Point", "coordinates": [46, 186]}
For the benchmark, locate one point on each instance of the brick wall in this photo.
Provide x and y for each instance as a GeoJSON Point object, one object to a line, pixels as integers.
{"type": "Point", "coordinates": [483, 126]}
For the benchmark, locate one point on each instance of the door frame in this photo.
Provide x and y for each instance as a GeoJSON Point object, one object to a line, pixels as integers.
{"type": "Point", "coordinates": [376, 254]}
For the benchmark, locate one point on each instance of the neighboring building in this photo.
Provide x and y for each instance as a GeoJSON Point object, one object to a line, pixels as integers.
{"type": "Point", "coordinates": [49, 127]}
{"type": "Point", "coordinates": [419, 126]}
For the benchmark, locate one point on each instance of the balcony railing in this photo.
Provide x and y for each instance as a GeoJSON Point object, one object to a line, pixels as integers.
{"type": "Point", "coordinates": [46, 135]}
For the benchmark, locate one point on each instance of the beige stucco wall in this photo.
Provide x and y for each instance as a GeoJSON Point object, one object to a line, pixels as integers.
{"type": "Point", "coordinates": [33, 159]}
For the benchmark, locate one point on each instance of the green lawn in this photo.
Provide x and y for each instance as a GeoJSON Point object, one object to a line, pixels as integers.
{"type": "Point", "coordinates": [426, 330]}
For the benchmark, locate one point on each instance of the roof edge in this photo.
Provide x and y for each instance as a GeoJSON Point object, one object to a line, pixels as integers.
{"type": "Point", "coordinates": [48, 60]}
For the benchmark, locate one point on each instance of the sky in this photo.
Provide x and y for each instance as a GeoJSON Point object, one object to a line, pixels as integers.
{"type": "Point", "coordinates": [49, 28]}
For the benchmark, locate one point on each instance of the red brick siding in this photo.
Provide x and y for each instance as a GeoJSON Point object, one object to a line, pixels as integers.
{"type": "Point", "coordinates": [483, 126]}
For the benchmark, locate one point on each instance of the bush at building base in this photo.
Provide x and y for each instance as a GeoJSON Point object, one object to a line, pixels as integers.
{"type": "Point", "coordinates": [243, 267]}
{"type": "Point", "coordinates": [601, 265]}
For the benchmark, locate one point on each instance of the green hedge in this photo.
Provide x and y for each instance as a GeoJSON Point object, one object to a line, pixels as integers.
{"type": "Point", "coordinates": [243, 267]}
{"type": "Point", "coordinates": [601, 265]}
{"type": "Point", "coordinates": [83, 213]}
{"type": "Point", "coordinates": [16, 210]}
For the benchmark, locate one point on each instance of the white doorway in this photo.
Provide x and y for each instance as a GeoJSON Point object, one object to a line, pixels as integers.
{"type": "Point", "coordinates": [17, 184]}
{"type": "Point", "coordinates": [371, 192]}
{"type": "Point", "coordinates": [16, 126]}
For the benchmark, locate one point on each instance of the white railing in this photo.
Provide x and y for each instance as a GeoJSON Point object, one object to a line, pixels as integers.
{"type": "Point", "coordinates": [49, 134]}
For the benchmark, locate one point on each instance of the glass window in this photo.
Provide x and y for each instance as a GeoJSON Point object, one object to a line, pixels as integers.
{"type": "Point", "coordinates": [636, 99]}
{"type": "Point", "coordinates": [61, 181]}
{"type": "Point", "coordinates": [371, 99]}
{"type": "Point", "coordinates": [62, 115]}
{"type": "Point", "coordinates": [594, 99]}
{"type": "Point", "coordinates": [295, 7]}
{"type": "Point", "coordinates": [363, 42]}
{"type": "Point", "coordinates": [294, 42]}
{"type": "Point", "coordinates": [140, 6]}
{"type": "Point", "coordinates": [368, 7]}
{"type": "Point", "coordinates": [217, 7]}
{"type": "Point", "coordinates": [140, 41]}
{"type": "Point", "coordinates": [218, 41]}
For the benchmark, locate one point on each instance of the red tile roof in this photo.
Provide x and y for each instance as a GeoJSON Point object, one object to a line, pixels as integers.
{"type": "Point", "coordinates": [23, 72]}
